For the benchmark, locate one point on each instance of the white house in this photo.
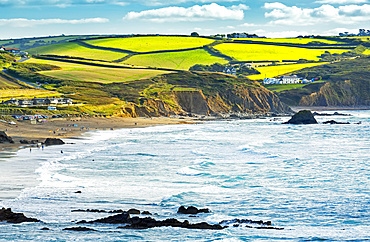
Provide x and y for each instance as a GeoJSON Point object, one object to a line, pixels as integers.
{"type": "Point", "coordinates": [286, 80]}
{"type": "Point", "coordinates": [229, 71]}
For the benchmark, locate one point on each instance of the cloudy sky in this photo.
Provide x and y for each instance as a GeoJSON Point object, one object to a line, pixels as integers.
{"type": "Point", "coordinates": [284, 18]}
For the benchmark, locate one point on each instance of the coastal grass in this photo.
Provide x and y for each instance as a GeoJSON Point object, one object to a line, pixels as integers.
{"type": "Point", "coordinates": [76, 50]}
{"type": "Point", "coordinates": [285, 87]}
{"type": "Point", "coordinates": [151, 43]}
{"type": "Point", "coordinates": [293, 40]}
{"type": "Point", "coordinates": [175, 60]}
{"type": "Point", "coordinates": [277, 70]}
{"type": "Point", "coordinates": [6, 84]}
{"type": "Point", "coordinates": [259, 52]}
{"type": "Point", "coordinates": [6, 94]}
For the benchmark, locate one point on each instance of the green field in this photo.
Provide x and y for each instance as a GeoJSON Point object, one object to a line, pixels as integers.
{"type": "Point", "coordinates": [278, 70]}
{"type": "Point", "coordinates": [75, 50]}
{"type": "Point", "coordinates": [175, 60]}
{"type": "Point", "coordinates": [293, 40]}
{"type": "Point", "coordinates": [285, 87]}
{"type": "Point", "coordinates": [87, 73]}
{"type": "Point", "coordinates": [259, 52]}
{"type": "Point", "coordinates": [146, 44]}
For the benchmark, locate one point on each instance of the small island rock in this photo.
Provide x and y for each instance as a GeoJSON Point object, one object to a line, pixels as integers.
{"type": "Point", "coordinates": [4, 138]}
{"type": "Point", "coordinates": [54, 141]}
{"type": "Point", "coordinates": [302, 117]}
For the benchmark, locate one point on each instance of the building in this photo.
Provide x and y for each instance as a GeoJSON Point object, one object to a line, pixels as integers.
{"type": "Point", "coordinates": [229, 71]}
{"type": "Point", "coordinates": [39, 102]}
{"type": "Point", "coordinates": [12, 50]}
{"type": "Point", "coordinates": [286, 80]}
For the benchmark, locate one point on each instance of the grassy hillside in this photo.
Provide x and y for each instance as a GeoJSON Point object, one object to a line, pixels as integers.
{"type": "Point", "coordinates": [258, 52]}
{"type": "Point", "coordinates": [278, 70]}
{"type": "Point", "coordinates": [85, 73]}
{"type": "Point", "coordinates": [175, 60]}
{"type": "Point", "coordinates": [75, 50]}
{"type": "Point", "coordinates": [152, 43]}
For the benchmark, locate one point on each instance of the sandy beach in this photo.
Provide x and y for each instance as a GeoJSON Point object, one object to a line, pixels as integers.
{"type": "Point", "coordinates": [73, 128]}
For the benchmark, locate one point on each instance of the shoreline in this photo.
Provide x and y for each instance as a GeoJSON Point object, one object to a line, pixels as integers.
{"type": "Point", "coordinates": [328, 108]}
{"type": "Point", "coordinates": [73, 128]}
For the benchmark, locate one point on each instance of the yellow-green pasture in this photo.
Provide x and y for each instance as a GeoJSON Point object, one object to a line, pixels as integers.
{"type": "Point", "coordinates": [285, 87]}
{"type": "Point", "coordinates": [78, 72]}
{"type": "Point", "coordinates": [6, 84]}
{"type": "Point", "coordinates": [182, 60]}
{"type": "Point", "coordinates": [366, 52]}
{"type": "Point", "coordinates": [6, 94]}
{"type": "Point", "coordinates": [278, 70]}
{"type": "Point", "coordinates": [293, 40]}
{"type": "Point", "coordinates": [151, 43]}
{"type": "Point", "coordinates": [76, 50]}
{"type": "Point", "coordinates": [363, 38]}
{"type": "Point", "coordinates": [259, 52]}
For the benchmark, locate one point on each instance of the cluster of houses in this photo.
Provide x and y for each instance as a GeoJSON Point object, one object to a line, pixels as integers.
{"type": "Point", "coordinates": [39, 102]}
{"type": "Point", "coordinates": [230, 70]}
{"type": "Point", "coordinates": [13, 50]}
{"type": "Point", "coordinates": [286, 80]}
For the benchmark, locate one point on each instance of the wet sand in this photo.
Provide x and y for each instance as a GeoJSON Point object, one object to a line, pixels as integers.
{"type": "Point", "coordinates": [73, 128]}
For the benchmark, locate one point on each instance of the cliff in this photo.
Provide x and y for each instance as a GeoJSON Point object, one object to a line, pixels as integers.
{"type": "Point", "coordinates": [347, 83]}
{"type": "Point", "coordinates": [344, 93]}
{"type": "Point", "coordinates": [206, 94]}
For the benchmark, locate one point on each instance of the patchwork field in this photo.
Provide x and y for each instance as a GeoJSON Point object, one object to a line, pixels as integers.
{"type": "Point", "coordinates": [258, 52]}
{"type": "Point", "coordinates": [293, 40]}
{"type": "Point", "coordinates": [75, 50]}
{"type": "Point", "coordinates": [272, 71]}
{"type": "Point", "coordinates": [154, 43]}
{"type": "Point", "coordinates": [87, 73]}
{"type": "Point", "coordinates": [175, 60]}
{"type": "Point", "coordinates": [6, 94]}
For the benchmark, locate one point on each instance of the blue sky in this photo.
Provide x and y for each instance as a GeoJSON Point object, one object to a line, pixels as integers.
{"type": "Point", "coordinates": [284, 18]}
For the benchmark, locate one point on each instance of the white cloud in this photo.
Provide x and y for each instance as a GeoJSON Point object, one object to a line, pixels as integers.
{"type": "Point", "coordinates": [247, 25]}
{"type": "Point", "coordinates": [295, 16]}
{"type": "Point", "coordinates": [342, 1]}
{"type": "Point", "coordinates": [67, 3]}
{"type": "Point", "coordinates": [212, 11]}
{"type": "Point", "coordinates": [22, 22]}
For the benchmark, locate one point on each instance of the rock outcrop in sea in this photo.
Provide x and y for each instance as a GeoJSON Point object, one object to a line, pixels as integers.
{"type": "Point", "coordinates": [7, 215]}
{"type": "Point", "coordinates": [53, 141]}
{"type": "Point", "coordinates": [302, 117]}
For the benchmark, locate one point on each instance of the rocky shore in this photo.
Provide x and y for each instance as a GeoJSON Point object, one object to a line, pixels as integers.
{"type": "Point", "coordinates": [126, 221]}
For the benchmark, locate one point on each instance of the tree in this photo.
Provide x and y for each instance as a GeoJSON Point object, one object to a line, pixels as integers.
{"type": "Point", "coordinates": [194, 34]}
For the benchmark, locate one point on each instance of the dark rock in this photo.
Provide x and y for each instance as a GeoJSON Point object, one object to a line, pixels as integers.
{"type": "Point", "coordinates": [23, 141]}
{"type": "Point", "coordinates": [329, 114]}
{"type": "Point", "coordinates": [302, 117]}
{"type": "Point", "coordinates": [4, 138]}
{"type": "Point", "coordinates": [78, 192]}
{"type": "Point", "coordinates": [115, 219]}
{"type": "Point", "coordinates": [133, 211]}
{"type": "Point", "coordinates": [54, 141]}
{"type": "Point", "coordinates": [192, 210]}
{"type": "Point", "coordinates": [146, 213]}
{"type": "Point", "coordinates": [236, 225]}
{"type": "Point", "coordinates": [7, 215]}
{"type": "Point", "coordinates": [79, 229]}
{"type": "Point", "coordinates": [45, 228]}
{"type": "Point", "coordinates": [146, 223]}
{"type": "Point", "coordinates": [334, 122]}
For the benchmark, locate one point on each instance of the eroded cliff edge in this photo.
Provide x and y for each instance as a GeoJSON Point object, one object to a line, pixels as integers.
{"type": "Point", "coordinates": [205, 94]}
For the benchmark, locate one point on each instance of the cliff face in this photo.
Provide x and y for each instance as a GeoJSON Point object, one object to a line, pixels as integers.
{"type": "Point", "coordinates": [341, 93]}
{"type": "Point", "coordinates": [196, 93]}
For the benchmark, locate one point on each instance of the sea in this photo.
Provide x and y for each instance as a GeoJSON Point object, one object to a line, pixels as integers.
{"type": "Point", "coordinates": [311, 180]}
